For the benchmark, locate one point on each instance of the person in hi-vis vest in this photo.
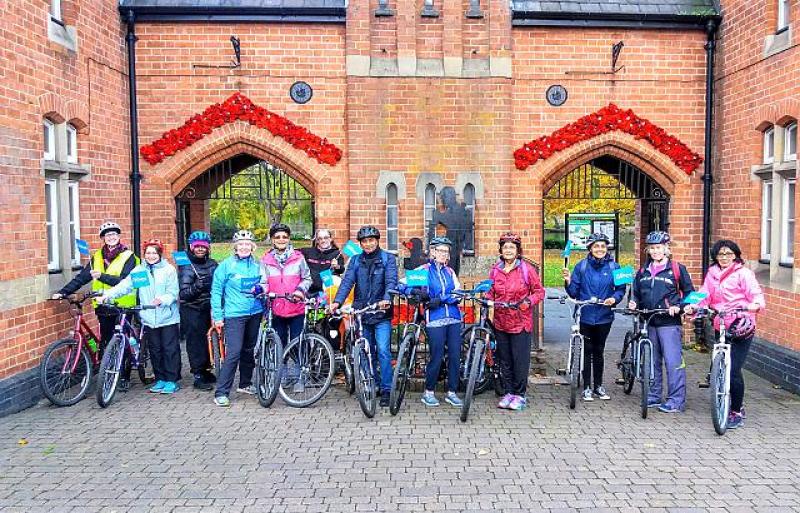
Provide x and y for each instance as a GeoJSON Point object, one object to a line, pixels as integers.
{"type": "Point", "coordinates": [107, 267]}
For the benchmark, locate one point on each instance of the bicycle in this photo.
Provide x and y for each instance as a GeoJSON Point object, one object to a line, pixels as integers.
{"type": "Point", "coordinates": [638, 365]}
{"type": "Point", "coordinates": [574, 368]}
{"type": "Point", "coordinates": [721, 370]}
{"type": "Point", "coordinates": [407, 351]}
{"type": "Point", "coordinates": [121, 355]}
{"type": "Point", "coordinates": [307, 364]}
{"type": "Point", "coordinates": [68, 364]}
{"type": "Point", "coordinates": [363, 366]}
{"type": "Point", "coordinates": [320, 325]}
{"type": "Point", "coordinates": [216, 347]}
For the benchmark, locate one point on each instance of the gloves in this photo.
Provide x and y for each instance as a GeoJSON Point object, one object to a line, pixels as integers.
{"type": "Point", "coordinates": [435, 302]}
{"type": "Point", "coordinates": [421, 294]}
{"type": "Point", "coordinates": [523, 307]}
{"type": "Point", "coordinates": [258, 290]}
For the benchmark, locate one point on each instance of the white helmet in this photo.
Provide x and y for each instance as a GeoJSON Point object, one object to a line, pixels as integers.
{"type": "Point", "coordinates": [108, 227]}
{"type": "Point", "coordinates": [243, 235]}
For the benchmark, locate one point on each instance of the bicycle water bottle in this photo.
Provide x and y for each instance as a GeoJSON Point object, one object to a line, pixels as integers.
{"type": "Point", "coordinates": [92, 343]}
{"type": "Point", "coordinates": [134, 348]}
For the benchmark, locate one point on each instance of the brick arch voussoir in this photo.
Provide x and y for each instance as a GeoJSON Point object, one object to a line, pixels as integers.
{"type": "Point", "coordinates": [52, 107]}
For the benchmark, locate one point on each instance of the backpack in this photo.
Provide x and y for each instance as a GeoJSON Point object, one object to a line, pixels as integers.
{"type": "Point", "coordinates": [676, 272]}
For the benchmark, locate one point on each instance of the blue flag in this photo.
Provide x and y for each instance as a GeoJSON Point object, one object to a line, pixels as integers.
{"type": "Point", "coordinates": [83, 246]}
{"type": "Point", "coordinates": [352, 249]}
{"type": "Point", "coordinates": [140, 279]}
{"type": "Point", "coordinates": [623, 275]}
{"type": "Point", "coordinates": [417, 278]}
{"type": "Point", "coordinates": [484, 286]}
{"type": "Point", "coordinates": [694, 297]}
{"type": "Point", "coordinates": [567, 249]}
{"type": "Point", "coordinates": [327, 278]}
{"type": "Point", "coordinates": [181, 258]}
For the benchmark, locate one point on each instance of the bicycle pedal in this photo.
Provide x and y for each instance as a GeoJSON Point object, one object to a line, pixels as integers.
{"type": "Point", "coordinates": [703, 384]}
{"type": "Point", "coordinates": [561, 372]}
{"type": "Point", "coordinates": [619, 381]}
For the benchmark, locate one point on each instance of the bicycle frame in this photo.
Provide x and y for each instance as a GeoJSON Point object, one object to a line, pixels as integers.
{"type": "Point", "coordinates": [80, 332]}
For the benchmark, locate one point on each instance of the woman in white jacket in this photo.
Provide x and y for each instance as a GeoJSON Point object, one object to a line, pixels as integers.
{"type": "Point", "coordinates": [162, 323]}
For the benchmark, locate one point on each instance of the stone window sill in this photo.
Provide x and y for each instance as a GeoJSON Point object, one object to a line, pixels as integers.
{"type": "Point", "coordinates": [776, 43]}
{"type": "Point", "coordinates": [61, 34]}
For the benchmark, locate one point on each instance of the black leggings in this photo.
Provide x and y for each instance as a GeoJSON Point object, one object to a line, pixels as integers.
{"type": "Point", "coordinates": [594, 343]}
{"type": "Point", "coordinates": [739, 350]}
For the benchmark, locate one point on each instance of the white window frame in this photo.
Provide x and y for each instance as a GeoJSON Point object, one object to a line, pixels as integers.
{"type": "Point", "coordinates": [73, 191]}
{"type": "Point", "coordinates": [72, 144]}
{"type": "Point", "coordinates": [393, 247]}
{"type": "Point", "coordinates": [766, 219]}
{"type": "Point", "coordinates": [783, 14]}
{"type": "Point", "coordinates": [469, 246]}
{"type": "Point", "coordinates": [51, 227]}
{"type": "Point", "coordinates": [790, 135]}
{"type": "Point", "coordinates": [49, 133]}
{"type": "Point", "coordinates": [55, 10]}
{"type": "Point", "coordinates": [428, 208]}
{"type": "Point", "coordinates": [787, 223]}
{"type": "Point", "coordinates": [769, 145]}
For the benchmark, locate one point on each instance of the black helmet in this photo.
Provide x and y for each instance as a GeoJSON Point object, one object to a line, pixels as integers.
{"type": "Point", "coordinates": [440, 241]}
{"type": "Point", "coordinates": [368, 231]}
{"type": "Point", "coordinates": [597, 237]}
{"type": "Point", "coordinates": [657, 238]}
{"type": "Point", "coordinates": [279, 227]}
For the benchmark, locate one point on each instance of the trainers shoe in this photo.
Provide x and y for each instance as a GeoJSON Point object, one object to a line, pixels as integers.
{"type": "Point", "coordinates": [668, 408]}
{"type": "Point", "coordinates": [518, 403]}
{"type": "Point", "coordinates": [158, 387]}
{"type": "Point", "coordinates": [601, 394]}
{"type": "Point", "coordinates": [201, 383]}
{"type": "Point", "coordinates": [505, 401]}
{"type": "Point", "coordinates": [653, 404]}
{"type": "Point", "coordinates": [249, 389]}
{"type": "Point", "coordinates": [428, 399]}
{"type": "Point", "coordinates": [222, 400]}
{"type": "Point", "coordinates": [208, 376]}
{"type": "Point", "coordinates": [742, 413]}
{"type": "Point", "coordinates": [735, 420]}
{"type": "Point", "coordinates": [452, 399]}
{"type": "Point", "coordinates": [299, 386]}
{"type": "Point", "coordinates": [587, 395]}
{"type": "Point", "coordinates": [124, 385]}
{"type": "Point", "coordinates": [384, 399]}
{"type": "Point", "coordinates": [170, 387]}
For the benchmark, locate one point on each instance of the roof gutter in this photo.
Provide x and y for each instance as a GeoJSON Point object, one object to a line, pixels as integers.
{"type": "Point", "coordinates": [612, 20]}
{"type": "Point", "coordinates": [232, 14]}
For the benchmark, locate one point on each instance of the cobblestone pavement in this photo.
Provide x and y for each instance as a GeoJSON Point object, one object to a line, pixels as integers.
{"type": "Point", "coordinates": [181, 454]}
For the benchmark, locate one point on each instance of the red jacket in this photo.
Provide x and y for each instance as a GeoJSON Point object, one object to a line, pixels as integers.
{"type": "Point", "coordinates": [513, 287]}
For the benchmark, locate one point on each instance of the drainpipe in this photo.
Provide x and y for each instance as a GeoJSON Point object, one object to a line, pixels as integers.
{"type": "Point", "coordinates": [135, 176]}
{"type": "Point", "coordinates": [708, 180]}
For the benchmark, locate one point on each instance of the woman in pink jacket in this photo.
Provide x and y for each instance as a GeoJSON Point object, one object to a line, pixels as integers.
{"type": "Point", "coordinates": [286, 272]}
{"type": "Point", "coordinates": [729, 284]}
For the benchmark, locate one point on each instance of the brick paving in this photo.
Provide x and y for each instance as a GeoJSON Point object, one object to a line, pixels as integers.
{"type": "Point", "coordinates": [181, 454]}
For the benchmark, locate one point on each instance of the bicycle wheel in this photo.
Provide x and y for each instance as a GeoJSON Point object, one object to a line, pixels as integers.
{"type": "Point", "coordinates": [574, 371]}
{"type": "Point", "coordinates": [110, 368]}
{"type": "Point", "coordinates": [216, 351]}
{"type": "Point", "coordinates": [268, 353]}
{"type": "Point", "coordinates": [475, 370]}
{"type": "Point", "coordinates": [626, 364]}
{"type": "Point", "coordinates": [366, 388]}
{"type": "Point", "coordinates": [402, 372]}
{"type": "Point", "coordinates": [485, 379]}
{"type": "Point", "coordinates": [720, 394]}
{"type": "Point", "coordinates": [308, 367]}
{"type": "Point", "coordinates": [65, 373]}
{"type": "Point", "coordinates": [645, 363]}
{"type": "Point", "coordinates": [144, 361]}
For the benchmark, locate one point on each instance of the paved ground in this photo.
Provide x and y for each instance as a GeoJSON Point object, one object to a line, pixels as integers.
{"type": "Point", "coordinates": [181, 454]}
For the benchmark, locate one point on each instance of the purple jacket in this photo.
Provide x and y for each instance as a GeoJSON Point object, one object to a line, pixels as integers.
{"type": "Point", "coordinates": [293, 275]}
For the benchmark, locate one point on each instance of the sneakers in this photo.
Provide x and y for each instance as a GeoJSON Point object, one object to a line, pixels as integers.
{"type": "Point", "coordinates": [668, 408]}
{"type": "Point", "coordinates": [505, 401]}
{"type": "Point", "coordinates": [124, 385]}
{"type": "Point", "coordinates": [428, 399]}
{"type": "Point", "coordinates": [518, 403]}
{"type": "Point", "coordinates": [222, 400]}
{"type": "Point", "coordinates": [201, 383]}
{"type": "Point", "coordinates": [384, 399]}
{"type": "Point", "coordinates": [170, 387]}
{"type": "Point", "coordinates": [742, 413]}
{"type": "Point", "coordinates": [735, 420]}
{"type": "Point", "coordinates": [158, 387]}
{"type": "Point", "coordinates": [208, 376]}
{"type": "Point", "coordinates": [587, 395]}
{"type": "Point", "coordinates": [653, 404]}
{"type": "Point", "coordinates": [299, 386]}
{"type": "Point", "coordinates": [249, 390]}
{"type": "Point", "coordinates": [452, 399]}
{"type": "Point", "coordinates": [601, 394]}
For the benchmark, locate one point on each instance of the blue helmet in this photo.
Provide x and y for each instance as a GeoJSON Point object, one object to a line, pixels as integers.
{"type": "Point", "coordinates": [199, 237]}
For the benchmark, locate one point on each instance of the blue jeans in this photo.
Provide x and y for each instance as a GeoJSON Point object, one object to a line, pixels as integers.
{"type": "Point", "coordinates": [438, 338]}
{"type": "Point", "coordinates": [381, 335]}
{"type": "Point", "coordinates": [287, 328]}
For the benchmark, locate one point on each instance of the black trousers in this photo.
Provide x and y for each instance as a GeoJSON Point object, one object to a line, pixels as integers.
{"type": "Point", "coordinates": [594, 343]}
{"type": "Point", "coordinates": [108, 321]}
{"type": "Point", "coordinates": [514, 358]}
{"type": "Point", "coordinates": [241, 335]}
{"type": "Point", "coordinates": [740, 347]}
{"type": "Point", "coordinates": [195, 323]}
{"type": "Point", "coordinates": [165, 352]}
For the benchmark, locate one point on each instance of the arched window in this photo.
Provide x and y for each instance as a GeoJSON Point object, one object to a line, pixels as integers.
{"type": "Point", "coordinates": [769, 145]}
{"type": "Point", "coordinates": [469, 205]}
{"type": "Point", "coordinates": [392, 217]}
{"type": "Point", "coordinates": [429, 207]}
{"type": "Point", "coordinates": [790, 142]}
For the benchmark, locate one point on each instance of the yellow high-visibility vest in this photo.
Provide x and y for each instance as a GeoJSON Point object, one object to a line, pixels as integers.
{"type": "Point", "coordinates": [114, 269]}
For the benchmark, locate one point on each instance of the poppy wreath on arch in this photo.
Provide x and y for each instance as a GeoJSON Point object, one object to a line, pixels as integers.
{"type": "Point", "coordinates": [606, 120]}
{"type": "Point", "coordinates": [239, 107]}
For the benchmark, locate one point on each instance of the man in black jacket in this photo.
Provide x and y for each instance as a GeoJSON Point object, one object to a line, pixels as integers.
{"type": "Point", "coordinates": [195, 295]}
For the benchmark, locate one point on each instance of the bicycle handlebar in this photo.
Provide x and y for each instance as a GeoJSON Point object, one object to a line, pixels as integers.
{"type": "Point", "coordinates": [641, 311]}
{"type": "Point", "coordinates": [349, 310]}
{"type": "Point", "coordinates": [578, 302]}
{"type": "Point", "coordinates": [710, 312]}
{"type": "Point", "coordinates": [75, 300]}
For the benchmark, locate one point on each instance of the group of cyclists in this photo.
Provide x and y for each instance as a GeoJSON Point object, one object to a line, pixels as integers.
{"type": "Point", "coordinates": [203, 293]}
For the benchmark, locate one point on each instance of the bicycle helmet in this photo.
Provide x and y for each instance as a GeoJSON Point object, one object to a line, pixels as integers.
{"type": "Point", "coordinates": [742, 327]}
{"type": "Point", "coordinates": [597, 237]}
{"type": "Point", "coordinates": [440, 241]}
{"type": "Point", "coordinates": [510, 237]}
{"type": "Point", "coordinates": [155, 243]}
{"type": "Point", "coordinates": [368, 231]}
{"type": "Point", "coordinates": [199, 238]}
{"type": "Point", "coordinates": [279, 227]}
{"type": "Point", "coordinates": [109, 226]}
{"type": "Point", "coordinates": [657, 238]}
{"type": "Point", "coordinates": [243, 235]}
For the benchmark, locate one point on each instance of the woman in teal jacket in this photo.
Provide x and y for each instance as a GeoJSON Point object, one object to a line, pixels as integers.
{"type": "Point", "coordinates": [162, 323]}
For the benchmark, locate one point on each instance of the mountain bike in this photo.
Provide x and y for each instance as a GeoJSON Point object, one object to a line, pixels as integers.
{"type": "Point", "coordinates": [125, 350]}
{"type": "Point", "coordinates": [413, 333]}
{"type": "Point", "coordinates": [636, 362]}
{"type": "Point", "coordinates": [68, 364]}
{"type": "Point", "coordinates": [574, 367]}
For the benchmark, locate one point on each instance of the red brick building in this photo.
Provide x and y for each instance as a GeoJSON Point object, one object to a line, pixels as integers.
{"type": "Point", "coordinates": [409, 97]}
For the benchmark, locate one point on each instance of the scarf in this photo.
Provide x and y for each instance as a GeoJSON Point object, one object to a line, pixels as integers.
{"type": "Point", "coordinates": [281, 258]}
{"type": "Point", "coordinates": [110, 254]}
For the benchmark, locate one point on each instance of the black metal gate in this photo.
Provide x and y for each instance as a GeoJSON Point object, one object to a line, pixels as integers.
{"type": "Point", "coordinates": [607, 178]}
